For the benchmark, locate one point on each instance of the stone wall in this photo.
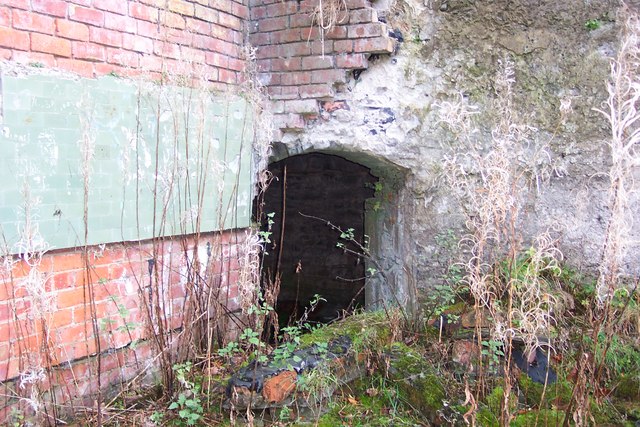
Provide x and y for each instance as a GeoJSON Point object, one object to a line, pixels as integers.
{"type": "Point", "coordinates": [451, 52]}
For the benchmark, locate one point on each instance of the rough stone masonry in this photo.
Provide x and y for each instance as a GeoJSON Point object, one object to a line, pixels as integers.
{"type": "Point", "coordinates": [385, 114]}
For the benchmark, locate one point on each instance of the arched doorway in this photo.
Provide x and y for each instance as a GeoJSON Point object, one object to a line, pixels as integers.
{"type": "Point", "coordinates": [311, 198]}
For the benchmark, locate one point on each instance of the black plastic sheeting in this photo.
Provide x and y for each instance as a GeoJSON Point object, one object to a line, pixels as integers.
{"type": "Point", "coordinates": [253, 375]}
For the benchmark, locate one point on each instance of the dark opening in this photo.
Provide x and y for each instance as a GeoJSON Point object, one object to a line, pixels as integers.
{"type": "Point", "coordinates": [309, 261]}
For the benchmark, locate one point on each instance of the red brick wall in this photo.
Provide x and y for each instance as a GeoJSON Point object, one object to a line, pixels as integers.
{"type": "Point", "coordinates": [57, 321]}
{"type": "Point", "coordinates": [97, 37]}
{"type": "Point", "coordinates": [298, 68]}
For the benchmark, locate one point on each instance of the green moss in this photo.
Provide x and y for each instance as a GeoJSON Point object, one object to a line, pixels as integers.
{"type": "Point", "coordinates": [364, 329]}
{"type": "Point", "coordinates": [487, 418]}
{"type": "Point", "coordinates": [420, 386]}
{"type": "Point", "coordinates": [558, 393]}
{"type": "Point", "coordinates": [494, 399]}
{"type": "Point", "coordinates": [628, 388]}
{"type": "Point", "coordinates": [544, 417]}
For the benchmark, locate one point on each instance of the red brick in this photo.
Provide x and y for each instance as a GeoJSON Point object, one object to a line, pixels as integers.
{"type": "Point", "coordinates": [362, 16]}
{"type": "Point", "coordinates": [86, 15]}
{"type": "Point", "coordinates": [286, 64]}
{"type": "Point", "coordinates": [117, 6]}
{"type": "Point", "coordinates": [5, 315]}
{"type": "Point", "coordinates": [18, 4]}
{"type": "Point", "coordinates": [216, 59]}
{"type": "Point", "coordinates": [147, 29]}
{"type": "Point", "coordinates": [86, 3]}
{"type": "Point", "coordinates": [151, 63]}
{"type": "Point", "coordinates": [240, 10]}
{"type": "Point", "coordinates": [198, 26]}
{"type": "Point", "coordinates": [49, 44]}
{"type": "Point", "coordinates": [357, 4]}
{"type": "Point", "coordinates": [156, 3]}
{"type": "Point", "coordinates": [263, 65]}
{"type": "Point", "coordinates": [337, 32]}
{"type": "Point", "coordinates": [106, 37]}
{"type": "Point", "coordinates": [5, 53]}
{"type": "Point", "coordinates": [295, 49]}
{"type": "Point", "coordinates": [316, 91]}
{"type": "Point", "coordinates": [282, 8]}
{"type": "Point", "coordinates": [367, 30]}
{"type": "Point", "coordinates": [279, 387]}
{"type": "Point", "coordinates": [206, 13]}
{"type": "Point", "coordinates": [211, 74]}
{"type": "Point", "coordinates": [283, 92]}
{"type": "Point", "coordinates": [226, 48]}
{"type": "Point", "coordinates": [137, 43]}
{"type": "Point", "coordinates": [375, 45]}
{"type": "Point", "coordinates": [295, 78]}
{"type": "Point", "coordinates": [345, 46]}
{"type": "Point", "coordinates": [174, 35]}
{"type": "Point", "coordinates": [355, 61]}
{"type": "Point", "coordinates": [168, 50]}
{"type": "Point", "coordinates": [14, 39]}
{"type": "Point", "coordinates": [5, 17]}
{"type": "Point", "coordinates": [301, 20]}
{"type": "Point", "coordinates": [223, 33]}
{"type": "Point", "coordinates": [308, 6]}
{"type": "Point", "coordinates": [50, 7]}
{"type": "Point", "coordinates": [181, 7]}
{"type": "Point", "coordinates": [319, 47]}
{"type": "Point", "coordinates": [89, 51]}
{"type": "Point", "coordinates": [229, 21]}
{"type": "Point", "coordinates": [72, 30]}
{"type": "Point", "coordinates": [223, 6]}
{"type": "Point", "coordinates": [227, 76]}
{"type": "Point", "coordinates": [69, 279]}
{"type": "Point", "coordinates": [121, 23]}
{"type": "Point", "coordinates": [145, 13]}
{"type": "Point", "coordinates": [236, 64]}
{"type": "Point", "coordinates": [271, 51]}
{"type": "Point", "coordinates": [201, 42]}
{"type": "Point", "coordinates": [310, 33]}
{"type": "Point", "coordinates": [273, 24]}
{"type": "Point", "coordinates": [124, 58]}
{"type": "Point", "coordinates": [33, 22]}
{"type": "Point", "coordinates": [70, 297]}
{"type": "Point", "coordinates": [328, 76]}
{"type": "Point", "coordinates": [258, 12]}
{"type": "Point", "coordinates": [45, 59]}
{"type": "Point", "coordinates": [61, 318]}
{"type": "Point", "coordinates": [317, 62]}
{"type": "Point", "coordinates": [286, 36]}
{"type": "Point", "coordinates": [192, 55]}
{"type": "Point", "coordinates": [172, 20]}
{"type": "Point", "coordinates": [260, 39]}
{"type": "Point", "coordinates": [292, 122]}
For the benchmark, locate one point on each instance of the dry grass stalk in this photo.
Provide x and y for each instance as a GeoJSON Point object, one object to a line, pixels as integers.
{"type": "Point", "coordinates": [490, 179]}
{"type": "Point", "coordinates": [328, 14]}
{"type": "Point", "coordinates": [622, 114]}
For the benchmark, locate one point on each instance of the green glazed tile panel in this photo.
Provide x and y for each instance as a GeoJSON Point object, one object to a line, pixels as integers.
{"type": "Point", "coordinates": [157, 161]}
